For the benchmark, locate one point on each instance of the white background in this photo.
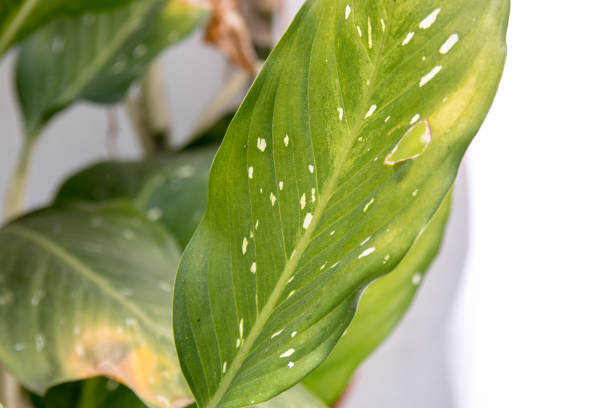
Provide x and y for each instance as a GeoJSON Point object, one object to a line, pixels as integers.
{"type": "Point", "coordinates": [531, 325]}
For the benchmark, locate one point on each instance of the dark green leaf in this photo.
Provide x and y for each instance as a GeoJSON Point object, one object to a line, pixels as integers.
{"type": "Point", "coordinates": [86, 291]}
{"type": "Point", "coordinates": [18, 18]}
{"type": "Point", "coordinates": [303, 213]}
{"type": "Point", "coordinates": [171, 189]}
{"type": "Point", "coordinates": [96, 58]}
{"type": "Point", "coordinates": [94, 393]}
{"type": "Point", "coordinates": [381, 308]}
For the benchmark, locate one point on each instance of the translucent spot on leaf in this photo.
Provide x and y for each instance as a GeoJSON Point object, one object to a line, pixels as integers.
{"type": "Point", "coordinates": [286, 140]}
{"type": "Point", "coordinates": [245, 244]}
{"type": "Point", "coordinates": [293, 334]}
{"type": "Point", "coordinates": [408, 38]}
{"type": "Point", "coordinates": [307, 220]}
{"type": "Point", "coordinates": [430, 75]}
{"type": "Point", "coordinates": [412, 145]}
{"type": "Point", "coordinates": [287, 353]}
{"type": "Point", "coordinates": [254, 267]}
{"type": "Point", "coordinates": [367, 252]}
{"type": "Point", "coordinates": [272, 199]}
{"type": "Point", "coordinates": [416, 279]}
{"type": "Point", "coordinates": [291, 364]}
{"type": "Point", "coordinates": [359, 31]}
{"type": "Point", "coordinates": [261, 144]}
{"type": "Point", "coordinates": [370, 112]}
{"type": "Point", "coordinates": [340, 113]}
{"type": "Point", "coordinates": [347, 12]}
{"type": "Point", "coordinates": [303, 201]}
{"type": "Point", "coordinates": [276, 334]}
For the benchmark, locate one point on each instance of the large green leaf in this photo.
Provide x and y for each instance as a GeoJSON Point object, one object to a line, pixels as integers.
{"type": "Point", "coordinates": [303, 213]}
{"type": "Point", "coordinates": [96, 58]}
{"type": "Point", "coordinates": [381, 308]}
{"type": "Point", "coordinates": [93, 393]}
{"type": "Point", "coordinates": [171, 189]}
{"type": "Point", "coordinates": [86, 291]}
{"type": "Point", "coordinates": [18, 18]}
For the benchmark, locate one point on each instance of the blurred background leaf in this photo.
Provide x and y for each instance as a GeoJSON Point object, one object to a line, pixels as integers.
{"type": "Point", "coordinates": [96, 58]}
{"type": "Point", "coordinates": [381, 308]}
{"type": "Point", "coordinates": [18, 18]}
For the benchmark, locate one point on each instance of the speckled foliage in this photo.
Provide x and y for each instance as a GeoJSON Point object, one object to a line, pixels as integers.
{"type": "Point", "coordinates": [304, 209]}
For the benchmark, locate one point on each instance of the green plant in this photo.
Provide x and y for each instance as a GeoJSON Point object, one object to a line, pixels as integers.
{"type": "Point", "coordinates": [335, 172]}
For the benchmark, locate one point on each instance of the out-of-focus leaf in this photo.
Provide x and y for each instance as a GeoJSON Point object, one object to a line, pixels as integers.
{"type": "Point", "coordinates": [381, 308]}
{"type": "Point", "coordinates": [303, 213]}
{"type": "Point", "coordinates": [97, 57]}
{"type": "Point", "coordinates": [296, 397]}
{"type": "Point", "coordinates": [172, 190]}
{"type": "Point", "coordinates": [18, 18]}
{"type": "Point", "coordinates": [97, 392]}
{"type": "Point", "coordinates": [86, 291]}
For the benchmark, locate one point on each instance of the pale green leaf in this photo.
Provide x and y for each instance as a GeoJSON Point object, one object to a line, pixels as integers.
{"type": "Point", "coordinates": [380, 309]}
{"type": "Point", "coordinates": [86, 291]}
{"type": "Point", "coordinates": [18, 18]}
{"type": "Point", "coordinates": [172, 190]}
{"type": "Point", "coordinates": [303, 213]}
{"type": "Point", "coordinates": [96, 57]}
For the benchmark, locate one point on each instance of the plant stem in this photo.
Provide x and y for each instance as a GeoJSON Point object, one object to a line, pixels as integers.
{"type": "Point", "coordinates": [17, 185]}
{"type": "Point", "coordinates": [149, 113]}
{"type": "Point", "coordinates": [221, 102]}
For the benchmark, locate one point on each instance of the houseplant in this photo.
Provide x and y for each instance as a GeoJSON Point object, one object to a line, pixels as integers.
{"type": "Point", "coordinates": [335, 171]}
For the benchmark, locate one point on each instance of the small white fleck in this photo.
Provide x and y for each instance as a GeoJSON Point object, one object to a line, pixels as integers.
{"type": "Point", "coordinates": [359, 31]}
{"type": "Point", "coordinates": [287, 353]}
{"type": "Point", "coordinates": [291, 294]}
{"type": "Point", "coordinates": [272, 199]}
{"type": "Point", "coordinates": [332, 233]}
{"type": "Point", "coordinates": [256, 225]}
{"type": "Point", "coordinates": [386, 259]}
{"type": "Point", "coordinates": [224, 367]}
{"type": "Point", "coordinates": [311, 168]}
{"type": "Point", "coordinates": [140, 50]}
{"type": "Point", "coordinates": [369, 33]}
{"type": "Point", "coordinates": [368, 205]}
{"type": "Point", "coordinates": [415, 192]}
{"type": "Point", "coordinates": [291, 364]}
{"type": "Point", "coordinates": [416, 279]}
{"type": "Point", "coordinates": [430, 75]}
{"type": "Point", "coordinates": [261, 144]}
{"type": "Point", "coordinates": [40, 342]}
{"type": "Point", "coordinates": [286, 140]}
{"type": "Point", "coordinates": [303, 201]}
{"type": "Point", "coordinates": [408, 38]}
{"type": "Point", "coordinates": [371, 111]}
{"type": "Point", "coordinates": [347, 12]}
{"type": "Point", "coordinates": [277, 333]}
{"type": "Point", "coordinates": [254, 267]}
{"type": "Point", "coordinates": [382, 23]}
{"type": "Point", "coordinates": [307, 220]}
{"type": "Point", "coordinates": [291, 279]}
{"type": "Point", "coordinates": [323, 266]}
{"type": "Point", "coordinates": [334, 265]}
{"type": "Point", "coordinates": [365, 241]}
{"type": "Point", "coordinates": [313, 195]}
{"type": "Point", "coordinates": [281, 185]}
{"type": "Point", "coordinates": [238, 342]}
{"type": "Point", "coordinates": [450, 43]}
{"type": "Point", "coordinates": [245, 244]}
{"type": "Point", "coordinates": [415, 119]}
{"type": "Point", "coordinates": [241, 328]}
{"type": "Point", "coordinates": [340, 113]}
{"type": "Point", "coordinates": [293, 334]}
{"type": "Point", "coordinates": [367, 252]}
{"type": "Point", "coordinates": [251, 172]}
{"type": "Point", "coordinates": [430, 19]}
{"type": "Point", "coordinates": [154, 213]}
{"type": "Point", "coordinates": [58, 44]}
{"type": "Point", "coordinates": [387, 119]}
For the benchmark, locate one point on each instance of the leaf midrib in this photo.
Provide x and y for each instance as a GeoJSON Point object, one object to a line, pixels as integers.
{"type": "Point", "coordinates": [301, 246]}
{"type": "Point", "coordinates": [104, 56]}
{"type": "Point", "coordinates": [85, 271]}
{"type": "Point", "coordinates": [16, 23]}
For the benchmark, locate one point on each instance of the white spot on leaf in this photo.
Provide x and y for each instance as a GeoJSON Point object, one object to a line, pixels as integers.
{"type": "Point", "coordinates": [429, 20]}
{"type": "Point", "coordinates": [431, 75]}
{"type": "Point", "coordinates": [287, 353]}
{"type": "Point", "coordinates": [408, 38]}
{"type": "Point", "coordinates": [347, 12]}
{"type": "Point", "coordinates": [450, 43]}
{"type": "Point", "coordinates": [261, 144]}
{"type": "Point", "coordinates": [307, 220]}
{"type": "Point", "coordinates": [367, 252]}
{"type": "Point", "coordinates": [370, 111]}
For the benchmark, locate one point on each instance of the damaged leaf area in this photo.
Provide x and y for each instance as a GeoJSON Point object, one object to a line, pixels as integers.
{"type": "Point", "coordinates": [228, 30]}
{"type": "Point", "coordinates": [74, 304]}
